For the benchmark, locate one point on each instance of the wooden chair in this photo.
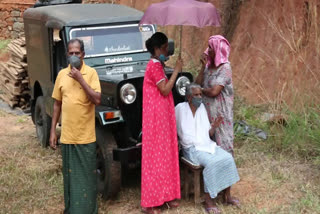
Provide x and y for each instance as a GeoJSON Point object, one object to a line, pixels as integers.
{"type": "Point", "coordinates": [196, 170]}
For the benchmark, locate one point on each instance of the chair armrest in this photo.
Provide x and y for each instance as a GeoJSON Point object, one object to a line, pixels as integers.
{"type": "Point", "coordinates": [190, 164]}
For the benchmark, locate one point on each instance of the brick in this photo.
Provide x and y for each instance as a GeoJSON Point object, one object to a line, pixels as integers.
{"type": "Point", "coordinates": [15, 13]}
{"type": "Point", "coordinates": [5, 33]}
{"type": "Point", "coordinates": [10, 20]}
{"type": "Point", "coordinates": [4, 15]}
{"type": "Point", "coordinates": [3, 24]}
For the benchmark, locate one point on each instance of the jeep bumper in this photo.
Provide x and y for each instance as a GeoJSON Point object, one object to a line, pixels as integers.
{"type": "Point", "coordinates": [127, 155]}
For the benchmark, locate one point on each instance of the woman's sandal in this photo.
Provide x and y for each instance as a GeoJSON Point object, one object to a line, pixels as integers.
{"type": "Point", "coordinates": [172, 204]}
{"type": "Point", "coordinates": [150, 210]}
{"type": "Point", "coordinates": [213, 210]}
{"type": "Point", "coordinates": [233, 202]}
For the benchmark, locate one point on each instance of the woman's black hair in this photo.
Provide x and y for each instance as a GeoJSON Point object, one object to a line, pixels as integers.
{"type": "Point", "coordinates": [156, 41]}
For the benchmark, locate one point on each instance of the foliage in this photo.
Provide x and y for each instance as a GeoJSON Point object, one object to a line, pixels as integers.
{"type": "Point", "coordinates": [298, 136]}
{"type": "Point", "coordinates": [3, 44]}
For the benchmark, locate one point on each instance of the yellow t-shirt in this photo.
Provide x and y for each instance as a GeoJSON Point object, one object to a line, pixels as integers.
{"type": "Point", "coordinates": [77, 111]}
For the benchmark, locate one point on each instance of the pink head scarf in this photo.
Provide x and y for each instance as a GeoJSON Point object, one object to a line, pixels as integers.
{"type": "Point", "coordinates": [221, 48]}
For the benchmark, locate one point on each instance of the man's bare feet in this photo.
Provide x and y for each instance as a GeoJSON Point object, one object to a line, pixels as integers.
{"type": "Point", "coordinates": [233, 202]}
{"type": "Point", "coordinates": [229, 200]}
{"type": "Point", "coordinates": [210, 205]}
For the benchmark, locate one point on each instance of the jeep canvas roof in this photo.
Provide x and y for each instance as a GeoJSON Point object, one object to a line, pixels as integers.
{"type": "Point", "coordinates": [58, 16]}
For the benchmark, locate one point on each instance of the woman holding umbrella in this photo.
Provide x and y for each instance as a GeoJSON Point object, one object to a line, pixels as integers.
{"type": "Point", "coordinates": [160, 180]}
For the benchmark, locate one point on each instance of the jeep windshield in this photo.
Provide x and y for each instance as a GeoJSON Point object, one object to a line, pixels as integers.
{"type": "Point", "coordinates": [113, 40]}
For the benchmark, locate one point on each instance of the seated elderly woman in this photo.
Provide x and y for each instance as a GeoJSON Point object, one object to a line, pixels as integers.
{"type": "Point", "coordinates": [195, 130]}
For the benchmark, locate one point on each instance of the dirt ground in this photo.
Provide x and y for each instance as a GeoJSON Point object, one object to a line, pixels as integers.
{"type": "Point", "coordinates": [31, 179]}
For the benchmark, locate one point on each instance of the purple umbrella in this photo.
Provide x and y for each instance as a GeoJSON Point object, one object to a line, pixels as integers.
{"type": "Point", "coordinates": [181, 12]}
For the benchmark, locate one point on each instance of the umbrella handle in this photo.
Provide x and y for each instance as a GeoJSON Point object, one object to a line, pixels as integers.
{"type": "Point", "coordinates": [180, 50]}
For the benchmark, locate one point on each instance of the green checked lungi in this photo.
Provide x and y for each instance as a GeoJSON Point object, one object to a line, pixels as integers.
{"type": "Point", "coordinates": [79, 178]}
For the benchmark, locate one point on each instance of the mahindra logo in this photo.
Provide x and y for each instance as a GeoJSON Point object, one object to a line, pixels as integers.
{"type": "Point", "coordinates": [118, 59]}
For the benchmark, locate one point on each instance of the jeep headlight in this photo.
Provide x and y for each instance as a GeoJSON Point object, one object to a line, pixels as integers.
{"type": "Point", "coordinates": [128, 93]}
{"type": "Point", "coordinates": [181, 84]}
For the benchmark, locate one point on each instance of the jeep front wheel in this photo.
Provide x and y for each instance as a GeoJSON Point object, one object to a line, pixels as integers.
{"type": "Point", "coordinates": [108, 170]}
{"type": "Point", "coordinates": [42, 122]}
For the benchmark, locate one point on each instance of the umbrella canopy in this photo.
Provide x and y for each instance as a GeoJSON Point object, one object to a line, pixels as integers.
{"type": "Point", "coordinates": [182, 12]}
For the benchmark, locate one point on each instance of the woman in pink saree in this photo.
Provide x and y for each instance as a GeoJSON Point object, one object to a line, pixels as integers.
{"type": "Point", "coordinates": [160, 180]}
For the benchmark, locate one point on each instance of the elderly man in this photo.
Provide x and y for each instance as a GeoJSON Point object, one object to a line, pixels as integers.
{"type": "Point", "coordinates": [195, 130]}
{"type": "Point", "coordinates": [76, 92]}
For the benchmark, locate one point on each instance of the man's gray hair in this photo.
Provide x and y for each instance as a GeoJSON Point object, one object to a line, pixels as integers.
{"type": "Point", "coordinates": [190, 87]}
{"type": "Point", "coordinates": [76, 40]}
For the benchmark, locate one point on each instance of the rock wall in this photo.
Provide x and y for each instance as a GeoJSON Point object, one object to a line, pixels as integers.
{"type": "Point", "coordinates": [11, 22]}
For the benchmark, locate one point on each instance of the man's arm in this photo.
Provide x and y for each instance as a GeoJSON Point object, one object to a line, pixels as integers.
{"type": "Point", "coordinates": [94, 97]}
{"type": "Point", "coordinates": [55, 117]}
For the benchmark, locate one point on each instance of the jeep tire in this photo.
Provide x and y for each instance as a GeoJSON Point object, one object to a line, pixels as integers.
{"type": "Point", "coordinates": [108, 170]}
{"type": "Point", "coordinates": [42, 122]}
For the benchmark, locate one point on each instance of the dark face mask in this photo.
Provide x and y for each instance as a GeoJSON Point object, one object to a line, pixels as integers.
{"type": "Point", "coordinates": [196, 101]}
{"type": "Point", "coordinates": [74, 61]}
{"type": "Point", "coordinates": [163, 58]}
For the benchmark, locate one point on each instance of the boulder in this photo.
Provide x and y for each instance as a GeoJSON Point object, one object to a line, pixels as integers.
{"type": "Point", "coordinates": [17, 26]}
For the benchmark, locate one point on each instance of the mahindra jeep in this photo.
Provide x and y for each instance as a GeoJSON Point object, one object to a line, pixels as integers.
{"type": "Point", "coordinates": [115, 46]}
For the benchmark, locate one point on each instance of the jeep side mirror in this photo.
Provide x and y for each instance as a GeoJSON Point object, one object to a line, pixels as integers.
{"type": "Point", "coordinates": [170, 47]}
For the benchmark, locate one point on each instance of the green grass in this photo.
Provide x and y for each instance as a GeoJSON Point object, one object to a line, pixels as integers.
{"type": "Point", "coordinates": [30, 177]}
{"type": "Point", "coordinates": [299, 137]}
{"type": "Point", "coordinates": [3, 44]}
{"type": "Point", "coordinates": [272, 180]}
{"type": "Point", "coordinates": [22, 119]}
{"type": "Point", "coordinates": [252, 116]}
